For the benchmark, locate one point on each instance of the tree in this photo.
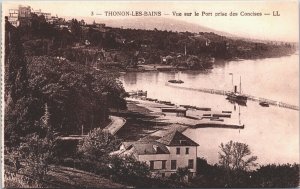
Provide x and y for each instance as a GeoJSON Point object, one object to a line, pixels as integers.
{"type": "Point", "coordinates": [73, 92]}
{"type": "Point", "coordinates": [76, 29]}
{"type": "Point", "coordinates": [16, 86]}
{"type": "Point", "coordinates": [37, 150]}
{"type": "Point", "coordinates": [182, 172]}
{"type": "Point", "coordinates": [276, 176]}
{"type": "Point", "coordinates": [98, 144]}
{"type": "Point", "coordinates": [129, 170]}
{"type": "Point", "coordinates": [236, 156]}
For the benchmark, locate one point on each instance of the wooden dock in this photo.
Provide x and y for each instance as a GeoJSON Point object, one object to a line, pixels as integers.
{"type": "Point", "coordinates": [218, 125]}
{"type": "Point", "coordinates": [250, 97]}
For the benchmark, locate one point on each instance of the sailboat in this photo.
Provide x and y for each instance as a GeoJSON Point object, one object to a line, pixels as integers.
{"type": "Point", "coordinates": [237, 97]}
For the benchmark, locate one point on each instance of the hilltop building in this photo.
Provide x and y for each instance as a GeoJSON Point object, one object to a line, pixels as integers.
{"type": "Point", "coordinates": [39, 13]}
{"type": "Point", "coordinates": [165, 155]}
{"type": "Point", "coordinates": [22, 15]}
{"type": "Point", "coordinates": [13, 17]}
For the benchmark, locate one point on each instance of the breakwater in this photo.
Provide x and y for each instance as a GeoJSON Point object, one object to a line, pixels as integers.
{"type": "Point", "coordinates": [249, 97]}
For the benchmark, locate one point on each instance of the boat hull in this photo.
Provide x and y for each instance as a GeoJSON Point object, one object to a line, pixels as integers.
{"type": "Point", "coordinates": [238, 98]}
{"type": "Point", "coordinates": [264, 104]}
{"type": "Point", "coordinates": [176, 81]}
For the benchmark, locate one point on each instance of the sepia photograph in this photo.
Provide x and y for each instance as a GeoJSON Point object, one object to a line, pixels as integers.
{"type": "Point", "coordinates": [150, 94]}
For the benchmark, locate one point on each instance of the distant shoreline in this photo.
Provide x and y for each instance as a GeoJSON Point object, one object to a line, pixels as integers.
{"type": "Point", "coordinates": [168, 68]}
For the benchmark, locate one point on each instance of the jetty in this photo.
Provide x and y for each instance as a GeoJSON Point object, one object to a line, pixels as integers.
{"type": "Point", "coordinates": [218, 125]}
{"type": "Point", "coordinates": [249, 97]}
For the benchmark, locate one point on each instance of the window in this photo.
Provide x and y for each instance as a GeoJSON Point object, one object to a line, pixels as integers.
{"type": "Point", "coordinates": [173, 164]}
{"type": "Point", "coordinates": [187, 151]}
{"type": "Point", "coordinates": [151, 165]}
{"type": "Point", "coordinates": [177, 150]}
{"type": "Point", "coordinates": [191, 164]}
{"type": "Point", "coordinates": [163, 164]}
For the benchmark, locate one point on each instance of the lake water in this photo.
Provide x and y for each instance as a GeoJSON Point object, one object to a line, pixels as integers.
{"type": "Point", "coordinates": [272, 133]}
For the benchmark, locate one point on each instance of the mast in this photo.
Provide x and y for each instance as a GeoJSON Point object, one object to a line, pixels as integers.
{"type": "Point", "coordinates": [184, 49]}
{"type": "Point", "coordinates": [232, 81]}
{"type": "Point", "coordinates": [240, 85]}
{"type": "Point", "coordinates": [239, 115]}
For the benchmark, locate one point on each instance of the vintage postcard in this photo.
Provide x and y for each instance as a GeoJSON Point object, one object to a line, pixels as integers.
{"type": "Point", "coordinates": [150, 94]}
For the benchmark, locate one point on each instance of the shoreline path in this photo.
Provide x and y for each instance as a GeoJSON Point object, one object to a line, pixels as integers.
{"type": "Point", "coordinates": [115, 125]}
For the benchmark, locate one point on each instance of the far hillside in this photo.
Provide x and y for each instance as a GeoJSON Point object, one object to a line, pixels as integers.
{"type": "Point", "coordinates": [99, 45]}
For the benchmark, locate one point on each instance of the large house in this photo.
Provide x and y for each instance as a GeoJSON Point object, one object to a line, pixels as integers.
{"type": "Point", "coordinates": [165, 155]}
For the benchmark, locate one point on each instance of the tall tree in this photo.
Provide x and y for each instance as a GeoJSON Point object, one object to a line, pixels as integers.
{"type": "Point", "coordinates": [76, 29]}
{"type": "Point", "coordinates": [15, 65]}
{"type": "Point", "coordinates": [236, 156]}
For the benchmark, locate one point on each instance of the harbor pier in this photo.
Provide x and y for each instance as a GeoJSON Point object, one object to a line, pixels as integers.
{"type": "Point", "coordinates": [249, 97]}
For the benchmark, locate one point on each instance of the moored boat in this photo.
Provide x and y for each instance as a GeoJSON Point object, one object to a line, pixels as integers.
{"type": "Point", "coordinates": [264, 104]}
{"type": "Point", "coordinates": [178, 81]}
{"type": "Point", "coordinates": [237, 97]}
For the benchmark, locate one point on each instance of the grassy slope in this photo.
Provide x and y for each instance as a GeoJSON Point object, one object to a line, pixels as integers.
{"type": "Point", "coordinates": [69, 177]}
{"type": "Point", "coordinates": [64, 177]}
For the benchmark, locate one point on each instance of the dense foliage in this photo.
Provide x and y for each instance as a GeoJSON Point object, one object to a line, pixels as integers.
{"type": "Point", "coordinates": [78, 96]}
{"type": "Point", "coordinates": [29, 163]}
{"type": "Point", "coordinates": [121, 45]}
{"type": "Point", "coordinates": [98, 144]}
{"type": "Point", "coordinates": [266, 176]}
{"type": "Point", "coordinates": [46, 96]}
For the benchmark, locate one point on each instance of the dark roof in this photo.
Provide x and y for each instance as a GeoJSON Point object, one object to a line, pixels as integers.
{"type": "Point", "coordinates": [176, 138]}
{"type": "Point", "coordinates": [147, 147]}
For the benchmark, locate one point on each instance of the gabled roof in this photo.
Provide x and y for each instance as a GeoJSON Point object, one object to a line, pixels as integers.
{"type": "Point", "coordinates": [146, 147]}
{"type": "Point", "coordinates": [176, 138]}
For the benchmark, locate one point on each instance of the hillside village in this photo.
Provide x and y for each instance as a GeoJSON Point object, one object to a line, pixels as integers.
{"type": "Point", "coordinates": [100, 45]}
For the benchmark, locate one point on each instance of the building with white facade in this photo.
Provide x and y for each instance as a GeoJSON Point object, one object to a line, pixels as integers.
{"type": "Point", "coordinates": [19, 16]}
{"type": "Point", "coordinates": [13, 17]}
{"type": "Point", "coordinates": [165, 155]}
{"type": "Point", "coordinates": [22, 15]}
{"type": "Point", "coordinates": [39, 12]}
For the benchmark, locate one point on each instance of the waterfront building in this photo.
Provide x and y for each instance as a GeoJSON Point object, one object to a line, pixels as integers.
{"type": "Point", "coordinates": [165, 155]}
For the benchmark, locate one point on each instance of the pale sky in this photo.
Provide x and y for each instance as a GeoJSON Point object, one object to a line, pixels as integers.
{"type": "Point", "coordinates": [283, 28]}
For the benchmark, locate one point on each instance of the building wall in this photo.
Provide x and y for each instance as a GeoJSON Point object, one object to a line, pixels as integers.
{"type": "Point", "coordinates": [181, 159]}
{"type": "Point", "coordinates": [13, 17]}
{"type": "Point", "coordinates": [47, 15]}
{"type": "Point", "coordinates": [24, 12]}
{"type": "Point", "coordinates": [157, 158]}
